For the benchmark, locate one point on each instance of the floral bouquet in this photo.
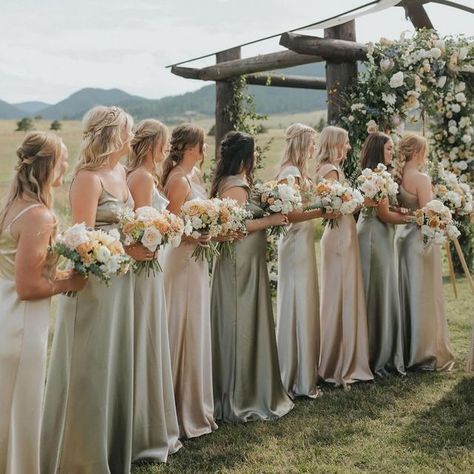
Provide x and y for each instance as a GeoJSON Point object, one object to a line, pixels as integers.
{"type": "Point", "coordinates": [283, 198]}
{"type": "Point", "coordinates": [90, 251]}
{"type": "Point", "coordinates": [455, 195]}
{"type": "Point", "coordinates": [201, 218]}
{"type": "Point", "coordinates": [376, 185]}
{"type": "Point", "coordinates": [152, 229]}
{"type": "Point", "coordinates": [334, 196]}
{"type": "Point", "coordinates": [436, 223]}
{"type": "Point", "coordinates": [232, 219]}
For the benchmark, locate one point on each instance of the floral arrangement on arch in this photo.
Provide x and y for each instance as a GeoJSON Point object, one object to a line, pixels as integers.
{"type": "Point", "coordinates": [410, 79]}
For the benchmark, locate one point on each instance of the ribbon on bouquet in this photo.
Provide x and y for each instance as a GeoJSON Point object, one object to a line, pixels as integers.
{"type": "Point", "coordinates": [457, 246]}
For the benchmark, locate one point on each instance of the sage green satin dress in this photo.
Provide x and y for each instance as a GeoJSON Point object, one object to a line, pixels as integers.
{"type": "Point", "coordinates": [155, 423]}
{"type": "Point", "coordinates": [421, 297]}
{"type": "Point", "coordinates": [298, 306]}
{"type": "Point", "coordinates": [344, 356]}
{"type": "Point", "coordinates": [384, 324]}
{"type": "Point", "coordinates": [88, 421]}
{"type": "Point", "coordinates": [189, 327]}
{"type": "Point", "coordinates": [23, 352]}
{"type": "Point", "coordinates": [246, 373]}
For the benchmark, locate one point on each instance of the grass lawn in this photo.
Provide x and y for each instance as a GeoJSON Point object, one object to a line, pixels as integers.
{"type": "Point", "coordinates": [421, 423]}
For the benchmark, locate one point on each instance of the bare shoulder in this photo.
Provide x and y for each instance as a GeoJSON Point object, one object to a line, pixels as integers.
{"type": "Point", "coordinates": [38, 220]}
{"type": "Point", "coordinates": [177, 181]}
{"type": "Point", "coordinates": [86, 178]}
{"type": "Point", "coordinates": [140, 177]}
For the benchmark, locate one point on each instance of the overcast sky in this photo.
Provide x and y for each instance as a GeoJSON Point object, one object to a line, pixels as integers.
{"type": "Point", "coordinates": [51, 48]}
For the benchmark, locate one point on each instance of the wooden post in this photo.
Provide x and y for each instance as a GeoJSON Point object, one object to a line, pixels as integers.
{"type": "Point", "coordinates": [224, 96]}
{"type": "Point", "coordinates": [339, 75]}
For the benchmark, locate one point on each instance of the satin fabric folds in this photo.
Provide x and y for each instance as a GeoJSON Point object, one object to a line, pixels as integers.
{"type": "Point", "coordinates": [421, 297]}
{"type": "Point", "coordinates": [246, 374]}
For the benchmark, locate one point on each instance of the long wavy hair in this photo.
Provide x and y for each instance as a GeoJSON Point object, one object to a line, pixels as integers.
{"type": "Point", "coordinates": [37, 157]}
{"type": "Point", "coordinates": [105, 130]}
{"type": "Point", "coordinates": [373, 150]}
{"type": "Point", "coordinates": [183, 137]}
{"type": "Point", "coordinates": [298, 140]}
{"type": "Point", "coordinates": [409, 145]}
{"type": "Point", "coordinates": [148, 134]}
{"type": "Point", "coordinates": [236, 154]}
{"type": "Point", "coordinates": [327, 151]}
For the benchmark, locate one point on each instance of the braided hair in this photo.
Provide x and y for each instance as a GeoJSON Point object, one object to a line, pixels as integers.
{"type": "Point", "coordinates": [408, 146]}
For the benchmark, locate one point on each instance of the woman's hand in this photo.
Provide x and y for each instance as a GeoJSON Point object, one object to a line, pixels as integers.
{"type": "Point", "coordinates": [332, 215]}
{"type": "Point", "coordinates": [277, 219]}
{"type": "Point", "coordinates": [75, 281]}
{"type": "Point", "coordinates": [370, 202]}
{"type": "Point", "coordinates": [139, 252]}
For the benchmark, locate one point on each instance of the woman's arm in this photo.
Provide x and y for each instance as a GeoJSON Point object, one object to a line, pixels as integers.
{"type": "Point", "coordinates": [386, 215]}
{"type": "Point", "coordinates": [34, 236]}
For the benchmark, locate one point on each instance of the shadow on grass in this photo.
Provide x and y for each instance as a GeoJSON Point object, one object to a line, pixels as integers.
{"type": "Point", "coordinates": [332, 420]}
{"type": "Point", "coordinates": [448, 424]}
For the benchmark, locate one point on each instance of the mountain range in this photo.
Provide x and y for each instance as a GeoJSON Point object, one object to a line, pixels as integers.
{"type": "Point", "coordinates": [268, 100]}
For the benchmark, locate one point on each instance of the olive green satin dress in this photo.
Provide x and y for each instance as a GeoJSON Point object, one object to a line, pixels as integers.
{"type": "Point", "coordinates": [421, 297]}
{"type": "Point", "coordinates": [344, 357]}
{"type": "Point", "coordinates": [376, 243]}
{"type": "Point", "coordinates": [155, 423]}
{"type": "Point", "coordinates": [246, 374]}
{"type": "Point", "coordinates": [23, 351]}
{"type": "Point", "coordinates": [298, 306]}
{"type": "Point", "coordinates": [89, 404]}
{"type": "Point", "coordinates": [189, 327]}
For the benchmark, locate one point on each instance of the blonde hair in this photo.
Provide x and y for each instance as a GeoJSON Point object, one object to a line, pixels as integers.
{"type": "Point", "coordinates": [183, 136]}
{"type": "Point", "coordinates": [408, 146]}
{"type": "Point", "coordinates": [102, 134]}
{"type": "Point", "coordinates": [147, 135]}
{"type": "Point", "coordinates": [299, 138]}
{"type": "Point", "coordinates": [37, 156]}
{"type": "Point", "coordinates": [329, 140]}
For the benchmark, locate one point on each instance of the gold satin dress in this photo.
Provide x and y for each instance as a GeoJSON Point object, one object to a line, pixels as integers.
{"type": "Point", "coordinates": [23, 351]}
{"type": "Point", "coordinates": [89, 404]}
{"type": "Point", "coordinates": [420, 281]}
{"type": "Point", "coordinates": [298, 306]}
{"type": "Point", "coordinates": [344, 357]}
{"type": "Point", "coordinates": [246, 373]}
{"type": "Point", "coordinates": [189, 327]}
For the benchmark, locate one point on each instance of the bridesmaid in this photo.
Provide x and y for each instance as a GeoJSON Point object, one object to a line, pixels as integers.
{"type": "Point", "coordinates": [247, 380]}
{"type": "Point", "coordinates": [187, 292]}
{"type": "Point", "coordinates": [298, 292]}
{"type": "Point", "coordinates": [344, 357]}
{"type": "Point", "coordinates": [155, 424]}
{"type": "Point", "coordinates": [27, 282]}
{"type": "Point", "coordinates": [89, 407]}
{"type": "Point", "coordinates": [470, 367]}
{"type": "Point", "coordinates": [376, 242]}
{"type": "Point", "coordinates": [419, 268]}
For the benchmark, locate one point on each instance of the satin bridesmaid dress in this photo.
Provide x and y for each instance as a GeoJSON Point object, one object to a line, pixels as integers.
{"type": "Point", "coordinates": [421, 297]}
{"type": "Point", "coordinates": [23, 352]}
{"type": "Point", "coordinates": [298, 306]}
{"type": "Point", "coordinates": [344, 357]}
{"type": "Point", "coordinates": [89, 405]}
{"type": "Point", "coordinates": [246, 373]}
{"type": "Point", "coordinates": [470, 366]}
{"type": "Point", "coordinates": [155, 423]}
{"type": "Point", "coordinates": [189, 327]}
{"type": "Point", "coordinates": [376, 244]}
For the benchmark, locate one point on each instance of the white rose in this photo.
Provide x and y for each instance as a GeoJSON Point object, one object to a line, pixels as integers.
{"type": "Point", "coordinates": [75, 236]}
{"type": "Point", "coordinates": [102, 254]}
{"type": "Point", "coordinates": [396, 80]}
{"type": "Point", "coordinates": [151, 238]}
{"type": "Point", "coordinates": [386, 64]}
{"type": "Point", "coordinates": [466, 138]}
{"type": "Point", "coordinates": [435, 53]}
{"type": "Point", "coordinates": [460, 97]}
{"type": "Point", "coordinates": [453, 130]}
{"type": "Point", "coordinates": [461, 86]}
{"type": "Point", "coordinates": [442, 81]}
{"type": "Point", "coordinates": [439, 44]}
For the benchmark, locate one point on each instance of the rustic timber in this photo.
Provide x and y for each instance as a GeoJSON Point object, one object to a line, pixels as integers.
{"type": "Point", "coordinates": [329, 49]}
{"type": "Point", "coordinates": [339, 75]}
{"type": "Point", "coordinates": [224, 97]}
{"type": "Point", "coordinates": [298, 82]}
{"type": "Point", "coordinates": [239, 67]}
{"type": "Point", "coordinates": [416, 12]}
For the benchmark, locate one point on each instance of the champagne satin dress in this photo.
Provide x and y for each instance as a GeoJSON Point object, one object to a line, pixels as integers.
{"type": "Point", "coordinates": [23, 352]}
{"type": "Point", "coordinates": [189, 327]}
{"type": "Point", "coordinates": [89, 405]}
{"type": "Point", "coordinates": [155, 423]}
{"type": "Point", "coordinates": [344, 357]}
{"type": "Point", "coordinates": [376, 243]}
{"type": "Point", "coordinates": [421, 297]}
{"type": "Point", "coordinates": [246, 374]}
{"type": "Point", "coordinates": [298, 306]}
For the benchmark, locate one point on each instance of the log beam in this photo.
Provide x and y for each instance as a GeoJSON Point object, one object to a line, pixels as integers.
{"type": "Point", "coordinates": [333, 50]}
{"type": "Point", "coordinates": [224, 97]}
{"type": "Point", "coordinates": [297, 82]}
{"type": "Point", "coordinates": [339, 75]}
{"type": "Point", "coordinates": [238, 67]}
{"type": "Point", "coordinates": [415, 11]}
